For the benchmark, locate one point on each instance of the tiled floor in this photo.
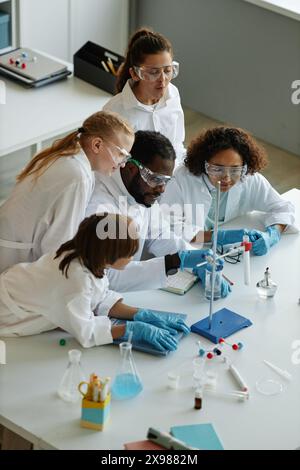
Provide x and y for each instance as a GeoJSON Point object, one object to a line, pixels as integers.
{"type": "Point", "coordinates": [283, 170]}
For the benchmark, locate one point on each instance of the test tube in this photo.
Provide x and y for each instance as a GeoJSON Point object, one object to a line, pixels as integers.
{"type": "Point", "coordinates": [241, 382]}
{"type": "Point", "coordinates": [246, 257]}
{"type": "Point", "coordinates": [236, 394]}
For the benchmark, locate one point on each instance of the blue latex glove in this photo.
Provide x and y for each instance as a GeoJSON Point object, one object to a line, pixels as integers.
{"type": "Point", "coordinates": [160, 338]}
{"type": "Point", "coordinates": [262, 241]}
{"type": "Point", "coordinates": [190, 258]}
{"type": "Point", "coordinates": [227, 237]}
{"type": "Point", "coordinates": [169, 321]}
{"type": "Point", "coordinates": [200, 272]}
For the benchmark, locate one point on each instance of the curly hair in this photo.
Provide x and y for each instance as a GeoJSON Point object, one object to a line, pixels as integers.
{"type": "Point", "coordinates": [209, 142]}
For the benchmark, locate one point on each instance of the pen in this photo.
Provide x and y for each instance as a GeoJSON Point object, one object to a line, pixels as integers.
{"type": "Point", "coordinates": [104, 66]}
{"type": "Point", "coordinates": [228, 280]}
{"type": "Point", "coordinates": [166, 440]}
{"type": "Point", "coordinates": [111, 66]}
{"type": "Point", "coordinates": [104, 388]}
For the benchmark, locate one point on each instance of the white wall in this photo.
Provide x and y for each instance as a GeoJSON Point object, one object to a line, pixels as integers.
{"type": "Point", "coordinates": [104, 22]}
{"type": "Point", "coordinates": [61, 27]}
{"type": "Point", "coordinates": [44, 25]}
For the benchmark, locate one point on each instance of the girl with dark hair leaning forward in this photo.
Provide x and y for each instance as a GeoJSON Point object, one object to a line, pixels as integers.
{"type": "Point", "coordinates": [70, 289]}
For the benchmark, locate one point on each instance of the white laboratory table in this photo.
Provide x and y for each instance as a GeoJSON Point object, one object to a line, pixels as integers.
{"type": "Point", "coordinates": [30, 407]}
{"type": "Point", "coordinates": [31, 116]}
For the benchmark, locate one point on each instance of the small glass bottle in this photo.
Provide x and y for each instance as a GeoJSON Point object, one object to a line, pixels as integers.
{"type": "Point", "coordinates": [127, 383]}
{"type": "Point", "coordinates": [218, 281]}
{"type": "Point", "coordinates": [266, 287]}
{"type": "Point", "coordinates": [198, 399]}
{"type": "Point", "coordinates": [68, 388]}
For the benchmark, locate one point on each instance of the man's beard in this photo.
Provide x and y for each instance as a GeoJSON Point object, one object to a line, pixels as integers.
{"type": "Point", "coordinates": [137, 192]}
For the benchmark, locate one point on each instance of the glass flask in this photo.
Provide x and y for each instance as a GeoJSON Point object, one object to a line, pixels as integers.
{"type": "Point", "coordinates": [208, 282]}
{"type": "Point", "coordinates": [68, 388]}
{"type": "Point", "coordinates": [266, 287]}
{"type": "Point", "coordinates": [127, 383]}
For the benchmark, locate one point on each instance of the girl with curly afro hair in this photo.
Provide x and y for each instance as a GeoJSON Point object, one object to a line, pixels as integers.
{"type": "Point", "coordinates": [233, 157]}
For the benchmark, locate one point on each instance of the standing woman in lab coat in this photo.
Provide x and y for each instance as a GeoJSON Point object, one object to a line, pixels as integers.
{"type": "Point", "coordinates": [146, 97]}
{"type": "Point", "coordinates": [70, 289]}
{"type": "Point", "coordinates": [233, 157]}
{"type": "Point", "coordinates": [53, 191]}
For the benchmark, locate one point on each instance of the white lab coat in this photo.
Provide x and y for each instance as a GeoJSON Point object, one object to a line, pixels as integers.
{"type": "Point", "coordinates": [38, 218]}
{"type": "Point", "coordinates": [37, 297]}
{"type": "Point", "coordinates": [111, 195]}
{"type": "Point", "coordinates": [253, 194]}
{"type": "Point", "coordinates": [166, 117]}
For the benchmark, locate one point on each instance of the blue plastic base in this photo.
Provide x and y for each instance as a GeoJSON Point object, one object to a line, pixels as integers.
{"type": "Point", "coordinates": [224, 323]}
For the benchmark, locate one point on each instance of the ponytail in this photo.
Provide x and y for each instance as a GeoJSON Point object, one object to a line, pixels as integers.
{"type": "Point", "coordinates": [102, 124]}
{"type": "Point", "coordinates": [142, 43]}
{"type": "Point", "coordinates": [60, 148]}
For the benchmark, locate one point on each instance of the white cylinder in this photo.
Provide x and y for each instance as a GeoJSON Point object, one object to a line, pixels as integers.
{"type": "Point", "coordinates": [246, 257]}
{"type": "Point", "coordinates": [235, 373]}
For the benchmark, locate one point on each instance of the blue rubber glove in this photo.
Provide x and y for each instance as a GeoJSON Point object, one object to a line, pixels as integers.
{"type": "Point", "coordinates": [159, 338]}
{"type": "Point", "coordinates": [200, 272]}
{"type": "Point", "coordinates": [262, 241]}
{"type": "Point", "coordinates": [190, 258]}
{"type": "Point", "coordinates": [169, 321]}
{"type": "Point", "coordinates": [227, 237]}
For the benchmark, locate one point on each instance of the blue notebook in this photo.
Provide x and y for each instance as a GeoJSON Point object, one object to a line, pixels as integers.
{"type": "Point", "coordinates": [225, 323]}
{"type": "Point", "coordinates": [200, 436]}
{"type": "Point", "coordinates": [145, 347]}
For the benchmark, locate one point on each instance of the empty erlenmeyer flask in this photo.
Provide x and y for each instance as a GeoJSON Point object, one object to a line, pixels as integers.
{"type": "Point", "coordinates": [127, 383]}
{"type": "Point", "coordinates": [68, 388]}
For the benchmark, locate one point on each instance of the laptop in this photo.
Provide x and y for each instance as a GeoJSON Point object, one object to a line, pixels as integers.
{"type": "Point", "coordinates": [38, 68]}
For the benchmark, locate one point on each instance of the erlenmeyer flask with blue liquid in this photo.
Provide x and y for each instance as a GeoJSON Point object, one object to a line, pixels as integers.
{"type": "Point", "coordinates": [127, 383]}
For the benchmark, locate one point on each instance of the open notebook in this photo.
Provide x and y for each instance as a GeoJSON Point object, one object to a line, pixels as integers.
{"type": "Point", "coordinates": [180, 282]}
{"type": "Point", "coordinates": [145, 347]}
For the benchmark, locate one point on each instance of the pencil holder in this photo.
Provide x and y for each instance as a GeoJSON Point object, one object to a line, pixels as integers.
{"type": "Point", "coordinates": [88, 66]}
{"type": "Point", "coordinates": [94, 415]}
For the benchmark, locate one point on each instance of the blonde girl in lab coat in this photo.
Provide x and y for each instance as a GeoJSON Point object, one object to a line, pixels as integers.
{"type": "Point", "coordinates": [70, 289]}
{"type": "Point", "coordinates": [52, 192]}
{"type": "Point", "coordinates": [146, 97]}
{"type": "Point", "coordinates": [233, 157]}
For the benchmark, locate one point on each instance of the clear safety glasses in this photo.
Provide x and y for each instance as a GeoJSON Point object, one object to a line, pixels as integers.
{"type": "Point", "coordinates": [123, 156]}
{"type": "Point", "coordinates": [152, 74]}
{"type": "Point", "coordinates": [220, 171]}
{"type": "Point", "coordinates": [152, 179]}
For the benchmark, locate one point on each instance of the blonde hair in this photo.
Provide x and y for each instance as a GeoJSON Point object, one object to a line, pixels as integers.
{"type": "Point", "coordinates": [101, 124]}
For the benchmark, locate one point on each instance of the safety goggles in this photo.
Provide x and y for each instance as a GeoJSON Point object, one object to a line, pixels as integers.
{"type": "Point", "coordinates": [123, 156]}
{"type": "Point", "coordinates": [152, 179]}
{"type": "Point", "coordinates": [151, 74]}
{"type": "Point", "coordinates": [220, 171]}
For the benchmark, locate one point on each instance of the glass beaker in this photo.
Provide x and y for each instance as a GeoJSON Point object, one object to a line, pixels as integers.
{"type": "Point", "coordinates": [208, 282]}
{"type": "Point", "coordinates": [127, 383]}
{"type": "Point", "coordinates": [68, 388]}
